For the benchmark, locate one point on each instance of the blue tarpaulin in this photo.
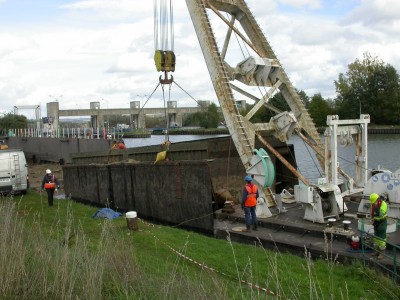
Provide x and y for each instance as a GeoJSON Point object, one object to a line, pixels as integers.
{"type": "Point", "coordinates": [106, 213]}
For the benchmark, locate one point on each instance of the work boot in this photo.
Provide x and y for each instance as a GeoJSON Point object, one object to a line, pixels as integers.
{"type": "Point", "coordinates": [380, 256]}
{"type": "Point", "coordinates": [376, 253]}
{"type": "Point", "coordinates": [255, 227]}
{"type": "Point", "coordinates": [248, 228]}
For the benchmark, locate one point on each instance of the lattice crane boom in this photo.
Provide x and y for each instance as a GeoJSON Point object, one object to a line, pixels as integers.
{"type": "Point", "coordinates": [261, 69]}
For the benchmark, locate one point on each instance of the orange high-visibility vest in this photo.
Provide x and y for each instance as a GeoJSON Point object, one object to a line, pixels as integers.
{"type": "Point", "coordinates": [50, 184]}
{"type": "Point", "coordinates": [251, 199]}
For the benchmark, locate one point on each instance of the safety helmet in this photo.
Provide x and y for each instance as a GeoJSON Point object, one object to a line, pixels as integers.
{"type": "Point", "coordinates": [373, 197]}
{"type": "Point", "coordinates": [48, 171]}
{"type": "Point", "coordinates": [248, 178]}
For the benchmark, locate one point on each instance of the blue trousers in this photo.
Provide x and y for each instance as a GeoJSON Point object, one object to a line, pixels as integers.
{"type": "Point", "coordinates": [250, 211]}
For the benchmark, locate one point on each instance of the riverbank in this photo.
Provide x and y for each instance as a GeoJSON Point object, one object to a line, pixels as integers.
{"type": "Point", "coordinates": [103, 259]}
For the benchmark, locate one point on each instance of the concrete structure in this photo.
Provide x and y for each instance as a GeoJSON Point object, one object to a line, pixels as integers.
{"type": "Point", "coordinates": [37, 112]}
{"type": "Point", "coordinates": [54, 149]}
{"type": "Point", "coordinates": [136, 113]}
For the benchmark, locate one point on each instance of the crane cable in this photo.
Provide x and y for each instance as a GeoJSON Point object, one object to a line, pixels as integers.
{"type": "Point", "coordinates": [164, 56]}
{"type": "Point", "coordinates": [166, 133]}
{"type": "Point", "coordinates": [163, 25]}
{"type": "Point", "coordinates": [162, 155]}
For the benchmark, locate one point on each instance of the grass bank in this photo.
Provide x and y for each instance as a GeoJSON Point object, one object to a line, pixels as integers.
{"type": "Point", "coordinates": [62, 253]}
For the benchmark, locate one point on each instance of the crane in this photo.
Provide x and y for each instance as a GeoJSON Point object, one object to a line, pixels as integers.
{"type": "Point", "coordinates": [260, 69]}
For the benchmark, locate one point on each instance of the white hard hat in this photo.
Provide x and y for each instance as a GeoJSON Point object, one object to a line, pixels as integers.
{"type": "Point", "coordinates": [48, 171]}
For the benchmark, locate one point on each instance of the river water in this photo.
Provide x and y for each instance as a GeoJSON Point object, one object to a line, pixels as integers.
{"type": "Point", "coordinates": [383, 150]}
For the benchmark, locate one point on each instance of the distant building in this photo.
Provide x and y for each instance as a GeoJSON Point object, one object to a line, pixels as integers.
{"type": "Point", "coordinates": [204, 103]}
{"type": "Point", "coordinates": [241, 104]}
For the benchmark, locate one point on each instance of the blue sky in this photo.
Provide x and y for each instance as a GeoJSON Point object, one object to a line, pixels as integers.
{"type": "Point", "coordinates": [102, 50]}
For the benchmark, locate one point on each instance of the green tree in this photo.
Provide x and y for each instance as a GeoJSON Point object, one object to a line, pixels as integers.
{"type": "Point", "coordinates": [11, 121]}
{"type": "Point", "coordinates": [304, 97]}
{"type": "Point", "coordinates": [209, 118]}
{"type": "Point", "coordinates": [369, 86]}
{"type": "Point", "coordinates": [318, 109]}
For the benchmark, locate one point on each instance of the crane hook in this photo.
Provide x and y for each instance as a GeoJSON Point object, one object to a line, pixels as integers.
{"type": "Point", "coordinates": [166, 80]}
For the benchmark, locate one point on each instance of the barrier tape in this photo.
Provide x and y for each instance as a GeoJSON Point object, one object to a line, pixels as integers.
{"type": "Point", "coordinates": [203, 266]}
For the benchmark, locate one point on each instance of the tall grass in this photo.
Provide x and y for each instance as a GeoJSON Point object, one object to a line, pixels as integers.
{"type": "Point", "coordinates": [63, 253]}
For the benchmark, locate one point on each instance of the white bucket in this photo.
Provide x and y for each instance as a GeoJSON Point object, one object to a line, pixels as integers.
{"type": "Point", "coordinates": [131, 214]}
{"type": "Point", "coordinates": [131, 219]}
{"type": "Point", "coordinates": [331, 221]}
{"type": "Point", "coordinates": [346, 225]}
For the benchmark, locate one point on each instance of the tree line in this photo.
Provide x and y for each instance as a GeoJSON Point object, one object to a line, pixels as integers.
{"type": "Point", "coordinates": [369, 86]}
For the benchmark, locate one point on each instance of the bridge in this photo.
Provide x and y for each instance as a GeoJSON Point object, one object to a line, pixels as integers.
{"type": "Point", "coordinates": [137, 114]}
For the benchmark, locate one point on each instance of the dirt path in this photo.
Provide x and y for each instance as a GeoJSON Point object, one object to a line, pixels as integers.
{"type": "Point", "coordinates": [37, 171]}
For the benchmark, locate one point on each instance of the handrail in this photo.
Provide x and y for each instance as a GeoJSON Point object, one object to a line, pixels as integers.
{"type": "Point", "coordinates": [366, 243]}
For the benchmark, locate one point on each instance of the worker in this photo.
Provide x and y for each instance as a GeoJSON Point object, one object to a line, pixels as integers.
{"type": "Point", "coordinates": [50, 184]}
{"type": "Point", "coordinates": [114, 145]}
{"type": "Point", "coordinates": [121, 144]}
{"type": "Point", "coordinates": [379, 216]}
{"type": "Point", "coordinates": [249, 203]}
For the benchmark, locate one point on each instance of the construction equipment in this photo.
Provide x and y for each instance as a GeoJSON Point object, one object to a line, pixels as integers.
{"type": "Point", "coordinates": [387, 185]}
{"type": "Point", "coordinates": [321, 202]}
{"type": "Point", "coordinates": [164, 57]}
{"type": "Point", "coordinates": [262, 69]}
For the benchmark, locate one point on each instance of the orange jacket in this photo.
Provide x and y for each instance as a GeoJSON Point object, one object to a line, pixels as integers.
{"type": "Point", "coordinates": [252, 195]}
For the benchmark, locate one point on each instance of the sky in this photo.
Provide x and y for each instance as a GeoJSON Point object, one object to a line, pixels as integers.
{"type": "Point", "coordinates": [77, 52]}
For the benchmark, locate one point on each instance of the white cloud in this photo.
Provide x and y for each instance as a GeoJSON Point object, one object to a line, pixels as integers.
{"type": "Point", "coordinates": [104, 50]}
{"type": "Point", "coordinates": [302, 3]}
{"type": "Point", "coordinates": [375, 13]}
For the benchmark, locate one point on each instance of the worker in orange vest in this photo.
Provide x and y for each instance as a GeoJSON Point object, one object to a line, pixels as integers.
{"type": "Point", "coordinates": [50, 184]}
{"type": "Point", "coordinates": [249, 203]}
{"type": "Point", "coordinates": [121, 144]}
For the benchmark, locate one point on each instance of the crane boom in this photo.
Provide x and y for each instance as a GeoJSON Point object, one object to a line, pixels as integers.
{"type": "Point", "coordinates": [260, 69]}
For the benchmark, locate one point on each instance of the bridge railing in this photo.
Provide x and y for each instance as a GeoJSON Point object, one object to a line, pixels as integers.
{"type": "Point", "coordinates": [68, 132]}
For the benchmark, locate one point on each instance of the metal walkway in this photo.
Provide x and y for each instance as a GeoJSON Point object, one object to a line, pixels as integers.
{"type": "Point", "coordinates": [289, 232]}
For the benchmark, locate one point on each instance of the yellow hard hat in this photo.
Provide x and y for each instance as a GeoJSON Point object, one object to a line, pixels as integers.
{"type": "Point", "coordinates": [373, 197]}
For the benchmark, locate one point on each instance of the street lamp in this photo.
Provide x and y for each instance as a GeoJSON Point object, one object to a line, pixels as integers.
{"type": "Point", "coordinates": [56, 97]}
{"type": "Point", "coordinates": [141, 99]}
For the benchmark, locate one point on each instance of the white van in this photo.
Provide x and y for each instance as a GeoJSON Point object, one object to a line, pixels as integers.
{"type": "Point", "coordinates": [13, 171]}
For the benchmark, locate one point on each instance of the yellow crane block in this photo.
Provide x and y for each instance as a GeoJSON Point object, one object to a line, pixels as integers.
{"type": "Point", "coordinates": [169, 61]}
{"type": "Point", "coordinates": [164, 60]}
{"type": "Point", "coordinates": [159, 59]}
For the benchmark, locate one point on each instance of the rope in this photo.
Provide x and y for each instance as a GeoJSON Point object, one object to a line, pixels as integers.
{"type": "Point", "coordinates": [186, 92]}
{"type": "Point", "coordinates": [312, 158]}
{"type": "Point", "coordinates": [166, 134]}
{"type": "Point", "coordinates": [149, 97]}
{"type": "Point", "coordinates": [239, 44]}
{"type": "Point", "coordinates": [207, 268]}
{"type": "Point", "coordinates": [227, 167]}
